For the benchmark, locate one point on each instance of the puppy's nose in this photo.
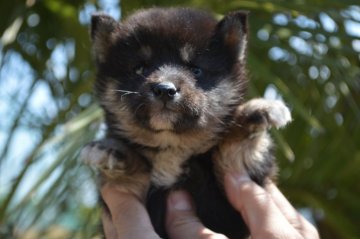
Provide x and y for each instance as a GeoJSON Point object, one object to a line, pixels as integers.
{"type": "Point", "coordinates": [165, 91]}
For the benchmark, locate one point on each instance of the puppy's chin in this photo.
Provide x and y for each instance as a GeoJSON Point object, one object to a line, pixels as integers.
{"type": "Point", "coordinates": [163, 120]}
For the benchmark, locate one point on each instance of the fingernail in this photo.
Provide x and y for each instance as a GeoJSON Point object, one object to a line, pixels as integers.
{"type": "Point", "coordinates": [237, 178]}
{"type": "Point", "coordinates": [179, 201]}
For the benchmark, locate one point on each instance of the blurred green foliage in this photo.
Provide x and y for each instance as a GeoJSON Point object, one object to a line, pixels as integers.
{"type": "Point", "coordinates": [306, 52]}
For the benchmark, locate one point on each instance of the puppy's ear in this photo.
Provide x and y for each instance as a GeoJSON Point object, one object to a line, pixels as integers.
{"type": "Point", "coordinates": [233, 31]}
{"type": "Point", "coordinates": [102, 32]}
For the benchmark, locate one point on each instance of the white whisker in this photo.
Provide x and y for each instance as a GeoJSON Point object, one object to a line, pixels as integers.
{"type": "Point", "coordinates": [127, 92]}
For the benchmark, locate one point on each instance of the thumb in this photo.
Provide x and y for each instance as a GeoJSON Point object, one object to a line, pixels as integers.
{"type": "Point", "coordinates": [181, 221]}
{"type": "Point", "coordinates": [257, 208]}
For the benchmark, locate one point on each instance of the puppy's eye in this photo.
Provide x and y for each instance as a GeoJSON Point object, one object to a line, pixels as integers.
{"type": "Point", "coordinates": [139, 70]}
{"type": "Point", "coordinates": [196, 71]}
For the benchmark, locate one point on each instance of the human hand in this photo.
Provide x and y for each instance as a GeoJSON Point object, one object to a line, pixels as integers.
{"type": "Point", "coordinates": [129, 218]}
{"type": "Point", "coordinates": [267, 213]}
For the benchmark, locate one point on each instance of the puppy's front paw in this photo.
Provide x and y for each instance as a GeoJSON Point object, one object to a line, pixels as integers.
{"type": "Point", "coordinates": [118, 163]}
{"type": "Point", "coordinates": [261, 114]}
{"type": "Point", "coordinates": [102, 155]}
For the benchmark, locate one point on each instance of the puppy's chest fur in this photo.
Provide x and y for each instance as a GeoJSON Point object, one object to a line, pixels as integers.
{"type": "Point", "coordinates": [168, 162]}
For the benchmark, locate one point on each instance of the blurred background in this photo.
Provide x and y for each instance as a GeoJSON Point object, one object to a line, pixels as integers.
{"type": "Point", "coordinates": [305, 52]}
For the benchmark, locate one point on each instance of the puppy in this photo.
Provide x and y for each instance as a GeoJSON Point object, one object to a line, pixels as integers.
{"type": "Point", "coordinates": [171, 82]}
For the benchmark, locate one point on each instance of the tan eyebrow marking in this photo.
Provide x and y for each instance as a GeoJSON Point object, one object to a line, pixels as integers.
{"type": "Point", "coordinates": [186, 52]}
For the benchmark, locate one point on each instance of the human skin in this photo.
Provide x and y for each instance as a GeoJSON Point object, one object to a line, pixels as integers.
{"type": "Point", "coordinates": [266, 211]}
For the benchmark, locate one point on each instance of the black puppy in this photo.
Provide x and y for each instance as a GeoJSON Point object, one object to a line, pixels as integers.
{"type": "Point", "coordinates": [171, 83]}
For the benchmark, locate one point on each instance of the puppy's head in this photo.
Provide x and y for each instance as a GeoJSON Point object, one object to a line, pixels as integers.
{"type": "Point", "coordinates": [173, 71]}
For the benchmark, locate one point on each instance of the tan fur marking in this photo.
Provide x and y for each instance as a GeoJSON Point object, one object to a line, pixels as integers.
{"type": "Point", "coordinates": [167, 166]}
{"type": "Point", "coordinates": [233, 155]}
{"type": "Point", "coordinates": [186, 53]}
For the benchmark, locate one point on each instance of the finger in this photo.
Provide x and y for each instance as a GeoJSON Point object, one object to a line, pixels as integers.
{"type": "Point", "coordinates": [181, 221]}
{"type": "Point", "coordinates": [259, 211]}
{"type": "Point", "coordinates": [128, 214]}
{"type": "Point", "coordinates": [108, 226]}
{"type": "Point", "coordinates": [306, 229]}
